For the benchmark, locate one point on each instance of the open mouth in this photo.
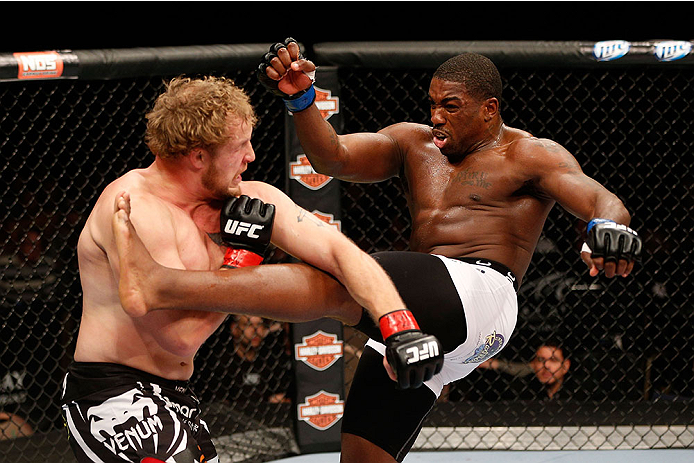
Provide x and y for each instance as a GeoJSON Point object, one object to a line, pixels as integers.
{"type": "Point", "coordinates": [440, 138]}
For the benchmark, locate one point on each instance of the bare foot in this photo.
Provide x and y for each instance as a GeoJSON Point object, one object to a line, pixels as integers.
{"type": "Point", "coordinates": [136, 264]}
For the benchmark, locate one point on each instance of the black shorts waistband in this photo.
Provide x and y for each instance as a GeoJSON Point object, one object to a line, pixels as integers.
{"type": "Point", "coordinates": [501, 268]}
{"type": "Point", "coordinates": [85, 378]}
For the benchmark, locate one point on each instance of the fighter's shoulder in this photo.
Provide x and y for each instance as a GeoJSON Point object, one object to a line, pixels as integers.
{"type": "Point", "coordinates": [409, 136]}
{"type": "Point", "coordinates": [529, 148]}
{"type": "Point", "coordinates": [263, 191]}
{"type": "Point", "coordinates": [404, 131]}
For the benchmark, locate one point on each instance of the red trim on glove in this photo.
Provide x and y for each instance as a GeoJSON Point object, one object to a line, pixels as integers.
{"type": "Point", "coordinates": [395, 322]}
{"type": "Point", "coordinates": [235, 258]}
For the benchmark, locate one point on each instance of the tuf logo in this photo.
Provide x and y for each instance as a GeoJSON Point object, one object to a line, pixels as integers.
{"type": "Point", "coordinates": [303, 172]}
{"type": "Point", "coordinates": [39, 65]}
{"type": "Point", "coordinates": [492, 345]}
{"type": "Point", "coordinates": [321, 410]}
{"type": "Point", "coordinates": [319, 350]}
{"type": "Point", "coordinates": [423, 352]}
{"type": "Point", "coordinates": [235, 227]}
{"type": "Point", "coordinates": [326, 103]}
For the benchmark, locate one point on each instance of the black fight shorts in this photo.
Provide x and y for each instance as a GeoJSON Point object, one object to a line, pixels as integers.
{"type": "Point", "coordinates": [376, 409]}
{"type": "Point", "coordinates": [470, 305]}
{"type": "Point", "coordinates": [114, 413]}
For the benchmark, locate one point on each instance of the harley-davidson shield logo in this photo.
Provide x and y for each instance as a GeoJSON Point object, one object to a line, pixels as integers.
{"type": "Point", "coordinates": [327, 218]}
{"type": "Point", "coordinates": [326, 103]}
{"type": "Point", "coordinates": [319, 350]}
{"type": "Point", "coordinates": [302, 171]}
{"type": "Point", "coordinates": [321, 410]}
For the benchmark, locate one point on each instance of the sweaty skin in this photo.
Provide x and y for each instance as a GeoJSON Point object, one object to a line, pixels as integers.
{"type": "Point", "coordinates": [176, 209]}
{"type": "Point", "coordinates": [475, 187]}
{"type": "Point", "coordinates": [145, 285]}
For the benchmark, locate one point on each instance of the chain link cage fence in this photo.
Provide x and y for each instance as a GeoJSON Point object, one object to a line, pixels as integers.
{"type": "Point", "coordinates": [630, 381]}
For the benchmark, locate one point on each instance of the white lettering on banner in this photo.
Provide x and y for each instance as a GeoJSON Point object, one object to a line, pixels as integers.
{"type": "Point", "coordinates": [322, 410]}
{"type": "Point", "coordinates": [38, 62]}
{"type": "Point", "coordinates": [319, 350]}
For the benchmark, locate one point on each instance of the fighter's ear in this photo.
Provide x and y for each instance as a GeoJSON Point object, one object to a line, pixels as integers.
{"type": "Point", "coordinates": [490, 108]}
{"type": "Point", "coordinates": [197, 157]}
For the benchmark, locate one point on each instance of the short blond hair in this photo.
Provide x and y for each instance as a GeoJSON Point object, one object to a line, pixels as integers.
{"type": "Point", "coordinates": [194, 113]}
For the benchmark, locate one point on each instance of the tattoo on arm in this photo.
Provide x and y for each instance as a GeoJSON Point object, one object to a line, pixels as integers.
{"type": "Point", "coordinates": [304, 215]}
{"type": "Point", "coordinates": [570, 167]}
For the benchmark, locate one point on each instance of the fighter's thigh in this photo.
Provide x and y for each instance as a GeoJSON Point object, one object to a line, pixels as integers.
{"type": "Point", "coordinates": [377, 411]}
{"type": "Point", "coordinates": [428, 291]}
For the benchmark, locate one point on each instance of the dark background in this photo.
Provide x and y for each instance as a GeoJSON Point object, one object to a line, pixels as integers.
{"type": "Point", "coordinates": [38, 26]}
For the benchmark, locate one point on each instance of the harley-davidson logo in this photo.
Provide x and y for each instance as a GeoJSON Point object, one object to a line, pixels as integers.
{"type": "Point", "coordinates": [321, 410]}
{"type": "Point", "coordinates": [327, 218]}
{"type": "Point", "coordinates": [326, 103]}
{"type": "Point", "coordinates": [319, 350]}
{"type": "Point", "coordinates": [302, 171]}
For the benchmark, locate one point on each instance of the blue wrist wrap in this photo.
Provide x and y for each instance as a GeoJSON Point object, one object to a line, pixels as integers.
{"type": "Point", "coordinates": [594, 222]}
{"type": "Point", "coordinates": [303, 102]}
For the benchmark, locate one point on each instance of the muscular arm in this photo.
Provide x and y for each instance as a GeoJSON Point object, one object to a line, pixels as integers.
{"type": "Point", "coordinates": [363, 157]}
{"type": "Point", "coordinates": [558, 175]}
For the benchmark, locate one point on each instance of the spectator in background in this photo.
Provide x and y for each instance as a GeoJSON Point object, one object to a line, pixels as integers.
{"type": "Point", "coordinates": [27, 300]}
{"type": "Point", "coordinates": [13, 426]}
{"type": "Point", "coordinates": [543, 378]}
{"type": "Point", "coordinates": [550, 366]}
{"type": "Point", "coordinates": [262, 358]}
{"type": "Point", "coordinates": [254, 367]}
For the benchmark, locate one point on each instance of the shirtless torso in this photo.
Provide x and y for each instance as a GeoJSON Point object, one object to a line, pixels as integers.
{"type": "Point", "coordinates": [164, 342]}
{"type": "Point", "coordinates": [485, 205]}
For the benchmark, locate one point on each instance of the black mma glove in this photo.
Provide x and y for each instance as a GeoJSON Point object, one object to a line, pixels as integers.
{"type": "Point", "coordinates": [612, 241]}
{"type": "Point", "coordinates": [295, 103]}
{"type": "Point", "coordinates": [246, 226]}
{"type": "Point", "coordinates": [414, 356]}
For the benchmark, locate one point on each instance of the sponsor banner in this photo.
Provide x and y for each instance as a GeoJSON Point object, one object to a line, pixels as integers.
{"type": "Point", "coordinates": [633, 53]}
{"type": "Point", "coordinates": [301, 170]}
{"type": "Point", "coordinates": [319, 379]}
{"type": "Point", "coordinates": [318, 346]}
{"type": "Point", "coordinates": [321, 410]}
{"type": "Point", "coordinates": [327, 103]}
{"type": "Point", "coordinates": [319, 350]}
{"type": "Point", "coordinates": [40, 65]}
{"type": "Point", "coordinates": [328, 218]}
{"type": "Point", "coordinates": [671, 50]}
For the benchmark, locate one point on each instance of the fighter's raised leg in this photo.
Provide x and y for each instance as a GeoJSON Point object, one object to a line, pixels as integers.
{"type": "Point", "coordinates": [285, 292]}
